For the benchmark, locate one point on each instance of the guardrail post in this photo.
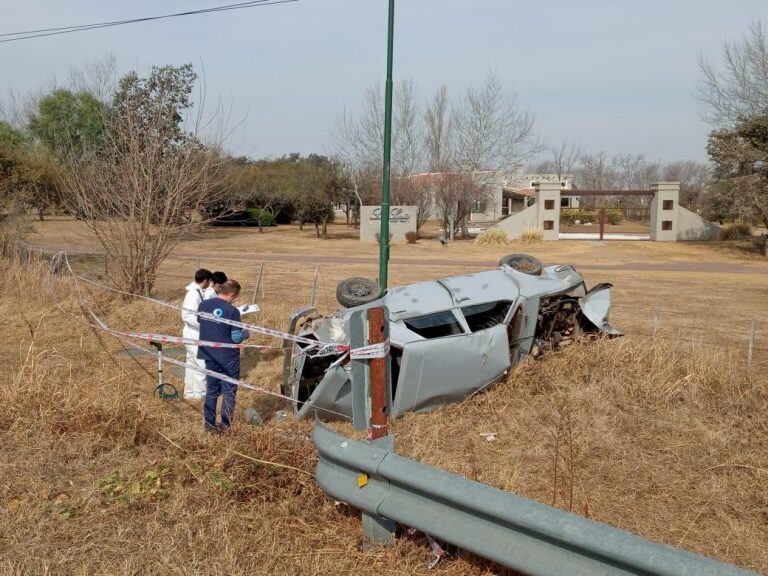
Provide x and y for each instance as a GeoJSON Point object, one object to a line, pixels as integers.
{"type": "Point", "coordinates": [359, 372]}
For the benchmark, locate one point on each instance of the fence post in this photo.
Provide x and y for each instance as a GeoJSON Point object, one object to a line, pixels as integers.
{"type": "Point", "coordinates": [378, 368]}
{"type": "Point", "coordinates": [656, 319]}
{"type": "Point", "coordinates": [314, 286]}
{"type": "Point", "coordinates": [751, 343]}
{"type": "Point", "coordinates": [377, 528]}
{"type": "Point", "coordinates": [258, 283]}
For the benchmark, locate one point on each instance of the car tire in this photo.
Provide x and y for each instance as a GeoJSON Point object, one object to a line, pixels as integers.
{"type": "Point", "coordinates": [357, 291]}
{"type": "Point", "coordinates": [524, 263]}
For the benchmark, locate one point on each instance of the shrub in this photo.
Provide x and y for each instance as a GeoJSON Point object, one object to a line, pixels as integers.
{"type": "Point", "coordinates": [492, 237]}
{"type": "Point", "coordinates": [267, 218]}
{"type": "Point", "coordinates": [737, 231]}
{"type": "Point", "coordinates": [532, 236]}
{"type": "Point", "coordinates": [411, 236]}
{"type": "Point", "coordinates": [614, 216]}
{"type": "Point", "coordinates": [583, 215]}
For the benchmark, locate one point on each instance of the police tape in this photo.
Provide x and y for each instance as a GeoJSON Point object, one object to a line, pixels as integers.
{"type": "Point", "coordinates": [323, 348]}
{"type": "Point", "coordinates": [371, 351]}
{"type": "Point", "coordinates": [328, 350]}
{"type": "Point", "coordinates": [167, 339]}
{"type": "Point", "coordinates": [224, 377]}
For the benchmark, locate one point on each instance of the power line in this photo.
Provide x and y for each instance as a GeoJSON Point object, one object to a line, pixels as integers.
{"type": "Point", "coordinates": [42, 32]}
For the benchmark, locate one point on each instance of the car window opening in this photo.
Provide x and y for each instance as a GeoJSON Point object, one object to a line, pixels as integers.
{"type": "Point", "coordinates": [487, 315]}
{"type": "Point", "coordinates": [437, 325]}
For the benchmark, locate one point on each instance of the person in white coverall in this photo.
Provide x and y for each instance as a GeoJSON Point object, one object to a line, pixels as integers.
{"type": "Point", "coordinates": [217, 279]}
{"type": "Point", "coordinates": [194, 381]}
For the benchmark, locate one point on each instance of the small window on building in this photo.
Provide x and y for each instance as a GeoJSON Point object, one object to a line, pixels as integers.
{"type": "Point", "coordinates": [563, 184]}
{"type": "Point", "coordinates": [549, 204]}
{"type": "Point", "coordinates": [565, 202]}
{"type": "Point", "coordinates": [668, 204]}
{"type": "Point", "coordinates": [549, 224]}
{"type": "Point", "coordinates": [435, 325]}
{"type": "Point", "coordinates": [483, 316]}
{"type": "Point", "coordinates": [478, 206]}
{"type": "Point", "coordinates": [666, 224]}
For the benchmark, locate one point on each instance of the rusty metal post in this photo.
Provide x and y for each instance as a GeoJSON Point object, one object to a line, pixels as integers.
{"type": "Point", "coordinates": [602, 222]}
{"type": "Point", "coordinates": [378, 374]}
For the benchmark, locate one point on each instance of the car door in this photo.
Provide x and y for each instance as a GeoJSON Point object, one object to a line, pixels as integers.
{"type": "Point", "coordinates": [447, 368]}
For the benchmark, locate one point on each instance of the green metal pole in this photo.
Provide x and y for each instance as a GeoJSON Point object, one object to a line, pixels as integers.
{"type": "Point", "coordinates": [384, 230]}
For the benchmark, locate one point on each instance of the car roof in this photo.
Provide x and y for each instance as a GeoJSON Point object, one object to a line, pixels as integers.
{"type": "Point", "coordinates": [502, 283]}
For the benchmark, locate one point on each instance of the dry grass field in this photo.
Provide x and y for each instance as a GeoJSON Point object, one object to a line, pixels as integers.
{"type": "Point", "coordinates": [662, 432]}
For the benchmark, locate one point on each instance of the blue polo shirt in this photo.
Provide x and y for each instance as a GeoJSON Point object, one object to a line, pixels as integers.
{"type": "Point", "coordinates": [226, 358]}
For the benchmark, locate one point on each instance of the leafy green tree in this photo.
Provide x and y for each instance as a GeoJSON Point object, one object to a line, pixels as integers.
{"type": "Point", "coordinates": [27, 180]}
{"type": "Point", "coordinates": [156, 104]}
{"type": "Point", "coordinates": [740, 156]}
{"type": "Point", "coordinates": [69, 123]}
{"type": "Point", "coordinates": [10, 136]}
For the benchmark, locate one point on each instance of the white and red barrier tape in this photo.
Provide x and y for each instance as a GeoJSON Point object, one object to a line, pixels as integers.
{"type": "Point", "coordinates": [313, 348]}
{"type": "Point", "coordinates": [167, 339]}
{"type": "Point", "coordinates": [324, 348]}
{"type": "Point", "coordinates": [237, 382]}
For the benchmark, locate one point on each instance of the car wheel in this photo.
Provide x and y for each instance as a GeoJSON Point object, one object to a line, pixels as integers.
{"type": "Point", "coordinates": [357, 291]}
{"type": "Point", "coordinates": [524, 263]}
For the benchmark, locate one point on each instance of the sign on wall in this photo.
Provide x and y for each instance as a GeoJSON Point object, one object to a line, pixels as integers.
{"type": "Point", "coordinates": [402, 219]}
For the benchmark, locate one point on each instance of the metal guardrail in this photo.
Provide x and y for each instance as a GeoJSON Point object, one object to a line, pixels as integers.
{"type": "Point", "coordinates": [515, 532]}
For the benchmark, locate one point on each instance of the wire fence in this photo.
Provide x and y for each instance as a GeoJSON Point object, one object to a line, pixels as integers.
{"type": "Point", "coordinates": [295, 285]}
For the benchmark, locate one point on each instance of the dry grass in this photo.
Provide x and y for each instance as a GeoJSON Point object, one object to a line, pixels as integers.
{"type": "Point", "coordinates": [532, 236]}
{"type": "Point", "coordinates": [665, 437]}
{"type": "Point", "coordinates": [665, 440]}
{"type": "Point", "coordinates": [492, 237]}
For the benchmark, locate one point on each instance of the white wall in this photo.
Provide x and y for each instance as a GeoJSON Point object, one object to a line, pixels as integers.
{"type": "Point", "coordinates": [691, 226]}
{"type": "Point", "coordinates": [516, 224]}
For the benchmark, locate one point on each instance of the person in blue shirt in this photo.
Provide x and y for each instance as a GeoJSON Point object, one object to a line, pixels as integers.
{"type": "Point", "coordinates": [223, 360]}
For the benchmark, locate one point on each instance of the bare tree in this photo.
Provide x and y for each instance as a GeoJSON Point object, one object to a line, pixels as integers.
{"type": "Point", "coordinates": [151, 184]}
{"type": "Point", "coordinates": [438, 130]}
{"type": "Point", "coordinates": [490, 131]}
{"type": "Point", "coordinates": [694, 177]}
{"type": "Point", "coordinates": [415, 190]}
{"type": "Point", "coordinates": [595, 172]}
{"type": "Point", "coordinates": [562, 160]}
{"type": "Point", "coordinates": [455, 193]}
{"type": "Point", "coordinates": [98, 78]}
{"type": "Point", "coordinates": [739, 89]}
{"type": "Point", "coordinates": [407, 134]}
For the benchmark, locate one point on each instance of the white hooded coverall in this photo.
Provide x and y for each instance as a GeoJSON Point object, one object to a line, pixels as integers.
{"type": "Point", "coordinates": [194, 381]}
{"type": "Point", "coordinates": [209, 293]}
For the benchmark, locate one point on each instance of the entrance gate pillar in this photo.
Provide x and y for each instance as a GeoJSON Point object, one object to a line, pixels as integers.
{"type": "Point", "coordinates": [665, 212]}
{"type": "Point", "coordinates": [548, 209]}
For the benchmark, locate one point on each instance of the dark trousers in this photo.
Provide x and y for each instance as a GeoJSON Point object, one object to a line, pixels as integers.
{"type": "Point", "coordinates": [215, 387]}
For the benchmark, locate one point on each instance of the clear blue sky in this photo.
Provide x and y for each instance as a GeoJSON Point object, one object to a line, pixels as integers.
{"type": "Point", "coordinates": [614, 75]}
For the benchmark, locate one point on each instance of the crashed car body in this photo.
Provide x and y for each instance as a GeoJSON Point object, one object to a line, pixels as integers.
{"type": "Point", "coordinates": [449, 338]}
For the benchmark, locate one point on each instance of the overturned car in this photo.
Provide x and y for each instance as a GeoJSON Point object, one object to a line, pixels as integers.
{"type": "Point", "coordinates": [449, 338]}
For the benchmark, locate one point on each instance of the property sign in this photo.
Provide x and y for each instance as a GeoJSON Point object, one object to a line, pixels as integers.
{"type": "Point", "coordinates": [402, 219]}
